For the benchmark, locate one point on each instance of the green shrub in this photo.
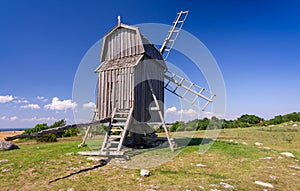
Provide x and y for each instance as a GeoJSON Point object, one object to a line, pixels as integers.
{"type": "Point", "coordinates": [189, 129]}
{"type": "Point", "coordinates": [47, 138]}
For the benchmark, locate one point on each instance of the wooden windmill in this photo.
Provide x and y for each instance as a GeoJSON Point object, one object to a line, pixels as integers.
{"type": "Point", "coordinates": [131, 82]}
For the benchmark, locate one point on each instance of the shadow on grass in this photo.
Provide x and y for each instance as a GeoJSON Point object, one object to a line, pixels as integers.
{"type": "Point", "coordinates": [180, 143]}
{"type": "Point", "coordinates": [102, 163]}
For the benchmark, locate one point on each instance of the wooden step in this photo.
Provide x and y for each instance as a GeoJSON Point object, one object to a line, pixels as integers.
{"type": "Point", "coordinates": [114, 136]}
{"type": "Point", "coordinates": [110, 149]}
{"type": "Point", "coordinates": [121, 119]}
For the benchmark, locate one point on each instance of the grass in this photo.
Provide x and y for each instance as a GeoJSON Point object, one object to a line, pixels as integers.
{"type": "Point", "coordinates": [34, 165]}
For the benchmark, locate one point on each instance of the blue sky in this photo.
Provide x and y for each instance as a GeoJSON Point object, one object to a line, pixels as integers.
{"type": "Point", "coordinates": [256, 45]}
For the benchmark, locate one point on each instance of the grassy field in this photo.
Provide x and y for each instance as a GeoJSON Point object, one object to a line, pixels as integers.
{"type": "Point", "coordinates": [232, 160]}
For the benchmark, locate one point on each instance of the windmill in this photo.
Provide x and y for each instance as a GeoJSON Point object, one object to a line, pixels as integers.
{"type": "Point", "coordinates": [131, 82]}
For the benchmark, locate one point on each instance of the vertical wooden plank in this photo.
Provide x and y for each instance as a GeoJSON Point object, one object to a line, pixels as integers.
{"type": "Point", "coordinates": [113, 99]}
{"type": "Point", "coordinates": [133, 44]}
{"type": "Point", "coordinates": [129, 45]}
{"type": "Point", "coordinates": [119, 89]}
{"type": "Point", "coordinates": [100, 100]}
{"type": "Point", "coordinates": [100, 114]}
{"type": "Point", "coordinates": [109, 92]}
{"type": "Point", "coordinates": [127, 89]}
{"type": "Point", "coordinates": [121, 43]}
{"type": "Point", "coordinates": [114, 46]}
{"type": "Point", "coordinates": [104, 94]}
{"type": "Point", "coordinates": [118, 44]}
{"type": "Point", "coordinates": [131, 85]}
{"type": "Point", "coordinates": [108, 44]}
{"type": "Point", "coordinates": [122, 89]}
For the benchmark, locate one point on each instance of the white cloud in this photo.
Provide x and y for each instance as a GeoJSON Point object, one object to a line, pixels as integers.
{"type": "Point", "coordinates": [171, 110]}
{"type": "Point", "coordinates": [188, 112]}
{"type": "Point", "coordinates": [13, 118]}
{"type": "Point", "coordinates": [5, 118]}
{"type": "Point", "coordinates": [60, 105]}
{"type": "Point", "coordinates": [31, 106]}
{"type": "Point", "coordinates": [41, 98]}
{"type": "Point", "coordinates": [38, 119]}
{"type": "Point", "coordinates": [173, 114]}
{"type": "Point", "coordinates": [6, 98]}
{"type": "Point", "coordinates": [89, 105]}
{"type": "Point", "coordinates": [21, 101]}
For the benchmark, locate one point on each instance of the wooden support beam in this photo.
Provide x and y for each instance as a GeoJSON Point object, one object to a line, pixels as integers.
{"type": "Point", "coordinates": [58, 129]}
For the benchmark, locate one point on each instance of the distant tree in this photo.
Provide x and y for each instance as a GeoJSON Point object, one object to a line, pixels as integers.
{"type": "Point", "coordinates": [215, 123]}
{"type": "Point", "coordinates": [177, 126]}
{"type": "Point", "coordinates": [251, 119]}
{"type": "Point", "coordinates": [292, 117]}
{"type": "Point", "coordinates": [202, 124]}
{"type": "Point", "coordinates": [36, 128]}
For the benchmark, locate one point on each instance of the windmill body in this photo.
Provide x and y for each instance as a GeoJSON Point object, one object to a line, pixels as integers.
{"type": "Point", "coordinates": [131, 86]}
{"type": "Point", "coordinates": [128, 61]}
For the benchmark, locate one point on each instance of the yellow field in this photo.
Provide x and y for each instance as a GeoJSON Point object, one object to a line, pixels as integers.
{"type": "Point", "coordinates": [9, 133]}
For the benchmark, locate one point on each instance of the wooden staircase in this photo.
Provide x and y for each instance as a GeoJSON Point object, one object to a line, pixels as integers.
{"type": "Point", "coordinates": [116, 132]}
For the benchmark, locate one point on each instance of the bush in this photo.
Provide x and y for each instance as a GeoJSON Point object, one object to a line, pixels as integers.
{"type": "Point", "coordinates": [189, 129]}
{"type": "Point", "coordinates": [47, 138]}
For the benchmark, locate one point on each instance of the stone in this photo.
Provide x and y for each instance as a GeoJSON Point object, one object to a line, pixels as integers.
{"type": "Point", "coordinates": [273, 177]}
{"type": "Point", "coordinates": [264, 184]}
{"type": "Point", "coordinates": [294, 167]}
{"type": "Point", "coordinates": [4, 160]}
{"type": "Point", "coordinates": [155, 186]}
{"type": "Point", "coordinates": [145, 172]}
{"type": "Point", "coordinates": [288, 154]}
{"type": "Point", "coordinates": [4, 145]}
{"type": "Point", "coordinates": [200, 165]}
{"type": "Point", "coordinates": [266, 158]}
{"type": "Point", "coordinates": [5, 170]}
{"type": "Point", "coordinates": [97, 159]}
{"type": "Point", "coordinates": [295, 125]}
{"type": "Point", "coordinates": [226, 185]}
{"type": "Point", "coordinates": [258, 144]}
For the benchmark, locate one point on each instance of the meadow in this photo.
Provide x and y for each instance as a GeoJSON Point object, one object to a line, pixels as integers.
{"type": "Point", "coordinates": [235, 161]}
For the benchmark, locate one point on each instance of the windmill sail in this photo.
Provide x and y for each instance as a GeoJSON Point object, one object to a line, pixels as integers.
{"type": "Point", "coordinates": [182, 87]}
{"type": "Point", "coordinates": [173, 34]}
{"type": "Point", "coordinates": [175, 83]}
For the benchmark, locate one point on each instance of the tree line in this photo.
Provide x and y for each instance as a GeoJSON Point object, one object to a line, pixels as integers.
{"type": "Point", "coordinates": [243, 121]}
{"type": "Point", "coordinates": [51, 137]}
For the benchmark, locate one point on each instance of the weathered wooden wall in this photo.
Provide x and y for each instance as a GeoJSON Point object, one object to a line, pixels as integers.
{"type": "Point", "coordinates": [115, 90]}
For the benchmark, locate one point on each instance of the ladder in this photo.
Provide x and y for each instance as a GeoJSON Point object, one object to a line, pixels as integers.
{"type": "Point", "coordinates": [173, 34]}
{"type": "Point", "coordinates": [175, 83]}
{"type": "Point", "coordinates": [116, 132]}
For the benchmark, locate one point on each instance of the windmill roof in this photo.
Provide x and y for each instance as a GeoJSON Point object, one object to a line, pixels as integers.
{"type": "Point", "coordinates": [123, 45]}
{"type": "Point", "coordinates": [119, 63]}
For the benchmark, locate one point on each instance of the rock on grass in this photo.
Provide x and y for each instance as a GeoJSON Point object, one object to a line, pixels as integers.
{"type": "Point", "coordinates": [288, 154]}
{"type": "Point", "coordinates": [5, 145]}
{"type": "Point", "coordinates": [264, 184]}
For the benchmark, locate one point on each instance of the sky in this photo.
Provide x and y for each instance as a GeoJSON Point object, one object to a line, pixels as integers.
{"type": "Point", "coordinates": [256, 45]}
